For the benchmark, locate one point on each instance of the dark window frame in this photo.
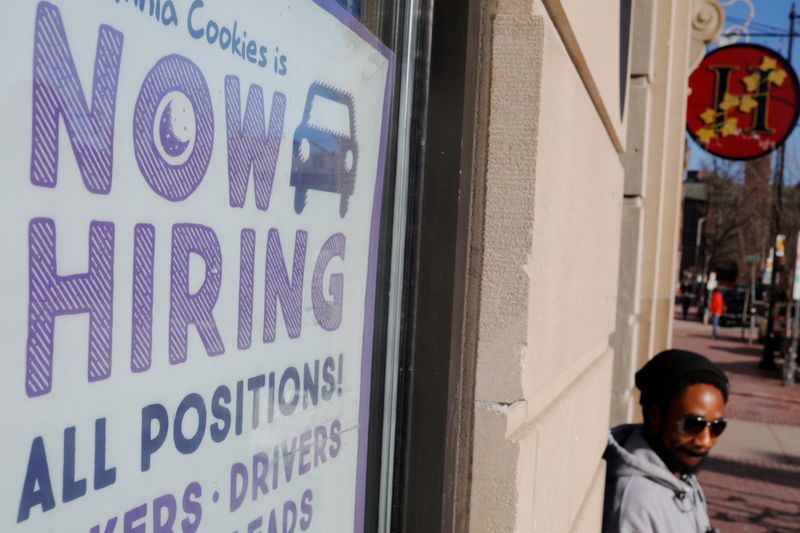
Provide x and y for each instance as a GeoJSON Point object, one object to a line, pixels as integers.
{"type": "Point", "coordinates": [434, 412]}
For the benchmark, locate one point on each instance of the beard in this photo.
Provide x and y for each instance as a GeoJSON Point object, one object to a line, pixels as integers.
{"type": "Point", "coordinates": [684, 468]}
{"type": "Point", "coordinates": [673, 460]}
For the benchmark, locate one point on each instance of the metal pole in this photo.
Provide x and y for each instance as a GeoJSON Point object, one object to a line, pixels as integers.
{"type": "Point", "coordinates": [768, 357]}
{"type": "Point", "coordinates": [745, 309]}
{"type": "Point", "coordinates": [697, 239]}
{"type": "Point", "coordinates": [751, 334]}
{"type": "Point", "coordinates": [790, 361]}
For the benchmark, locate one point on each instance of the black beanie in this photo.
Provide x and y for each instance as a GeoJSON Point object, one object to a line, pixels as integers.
{"type": "Point", "coordinates": [670, 371]}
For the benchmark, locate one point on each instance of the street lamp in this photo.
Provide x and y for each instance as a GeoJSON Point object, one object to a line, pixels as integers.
{"type": "Point", "coordinates": [697, 239]}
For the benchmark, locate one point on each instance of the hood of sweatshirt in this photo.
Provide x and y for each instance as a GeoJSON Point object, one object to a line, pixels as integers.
{"type": "Point", "coordinates": [628, 454]}
{"type": "Point", "coordinates": [676, 504]}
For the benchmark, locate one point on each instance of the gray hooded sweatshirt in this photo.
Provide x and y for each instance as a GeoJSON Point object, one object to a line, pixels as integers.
{"type": "Point", "coordinates": [642, 495]}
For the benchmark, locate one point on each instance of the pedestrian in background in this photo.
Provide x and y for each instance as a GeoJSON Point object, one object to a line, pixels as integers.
{"type": "Point", "coordinates": [715, 308]}
{"type": "Point", "coordinates": [686, 298]}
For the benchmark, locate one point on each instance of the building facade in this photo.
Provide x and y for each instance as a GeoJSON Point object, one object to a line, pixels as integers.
{"type": "Point", "coordinates": [601, 266]}
{"type": "Point", "coordinates": [459, 243]}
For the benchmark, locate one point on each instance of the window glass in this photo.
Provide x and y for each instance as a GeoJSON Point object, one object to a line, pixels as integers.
{"type": "Point", "coordinates": [198, 222]}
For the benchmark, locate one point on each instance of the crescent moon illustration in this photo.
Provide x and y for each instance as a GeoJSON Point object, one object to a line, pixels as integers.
{"type": "Point", "coordinates": [173, 145]}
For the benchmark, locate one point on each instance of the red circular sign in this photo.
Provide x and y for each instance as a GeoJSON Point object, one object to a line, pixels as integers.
{"type": "Point", "coordinates": [742, 101]}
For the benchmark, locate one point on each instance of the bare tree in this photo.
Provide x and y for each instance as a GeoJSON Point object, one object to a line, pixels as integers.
{"type": "Point", "coordinates": [730, 211]}
{"type": "Point", "coordinates": [740, 218]}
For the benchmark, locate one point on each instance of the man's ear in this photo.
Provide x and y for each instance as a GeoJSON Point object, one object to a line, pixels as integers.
{"type": "Point", "coordinates": [653, 419]}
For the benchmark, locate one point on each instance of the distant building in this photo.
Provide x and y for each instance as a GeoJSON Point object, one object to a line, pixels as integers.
{"type": "Point", "coordinates": [695, 209]}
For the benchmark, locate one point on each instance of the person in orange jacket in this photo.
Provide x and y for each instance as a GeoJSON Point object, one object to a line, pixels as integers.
{"type": "Point", "coordinates": [715, 308]}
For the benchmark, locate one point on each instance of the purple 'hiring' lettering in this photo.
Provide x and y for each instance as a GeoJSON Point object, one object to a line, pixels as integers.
{"type": "Point", "coordinates": [51, 295]}
{"type": "Point", "coordinates": [246, 273]}
{"type": "Point", "coordinates": [194, 309]}
{"type": "Point", "coordinates": [142, 321]}
{"type": "Point", "coordinates": [279, 287]}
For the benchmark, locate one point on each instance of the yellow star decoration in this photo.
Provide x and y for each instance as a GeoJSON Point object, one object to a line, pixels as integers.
{"type": "Point", "coordinates": [776, 77]}
{"type": "Point", "coordinates": [731, 127]}
{"type": "Point", "coordinates": [768, 63]}
{"type": "Point", "coordinates": [751, 82]}
{"type": "Point", "coordinates": [704, 135]}
{"type": "Point", "coordinates": [730, 101]}
{"type": "Point", "coordinates": [708, 116]}
{"type": "Point", "coordinates": [747, 103]}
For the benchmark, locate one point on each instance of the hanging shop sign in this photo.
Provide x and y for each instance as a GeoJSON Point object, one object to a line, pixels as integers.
{"type": "Point", "coordinates": [190, 210]}
{"type": "Point", "coordinates": [743, 101]}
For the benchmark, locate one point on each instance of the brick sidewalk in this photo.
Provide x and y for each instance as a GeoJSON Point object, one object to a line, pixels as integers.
{"type": "Point", "coordinates": [756, 395]}
{"type": "Point", "coordinates": [752, 496]}
{"type": "Point", "coordinates": [748, 495]}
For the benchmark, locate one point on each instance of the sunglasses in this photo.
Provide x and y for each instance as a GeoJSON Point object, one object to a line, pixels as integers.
{"type": "Point", "coordinates": [693, 425]}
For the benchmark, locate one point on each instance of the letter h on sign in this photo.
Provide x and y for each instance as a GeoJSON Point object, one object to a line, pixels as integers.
{"type": "Point", "coordinates": [51, 295]}
{"type": "Point", "coordinates": [754, 101]}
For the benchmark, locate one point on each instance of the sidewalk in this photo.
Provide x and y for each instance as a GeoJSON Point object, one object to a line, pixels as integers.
{"type": "Point", "coordinates": [752, 479]}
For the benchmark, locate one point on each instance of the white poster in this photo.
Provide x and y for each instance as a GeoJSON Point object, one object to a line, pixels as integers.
{"type": "Point", "coordinates": [190, 205]}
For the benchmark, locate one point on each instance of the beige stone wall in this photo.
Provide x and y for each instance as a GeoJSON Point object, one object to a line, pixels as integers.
{"type": "Point", "coordinates": [552, 213]}
{"type": "Point", "coordinates": [663, 175]}
{"type": "Point", "coordinates": [578, 243]}
{"type": "Point", "coordinates": [654, 161]}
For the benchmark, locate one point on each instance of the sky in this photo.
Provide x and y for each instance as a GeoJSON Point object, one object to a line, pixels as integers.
{"type": "Point", "coordinates": [766, 16]}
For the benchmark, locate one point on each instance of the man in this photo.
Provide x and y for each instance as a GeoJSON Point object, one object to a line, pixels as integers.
{"type": "Point", "coordinates": [650, 481]}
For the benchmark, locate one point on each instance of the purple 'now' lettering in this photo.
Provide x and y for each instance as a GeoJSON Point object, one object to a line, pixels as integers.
{"type": "Point", "coordinates": [173, 73]}
{"type": "Point", "coordinates": [57, 93]}
{"type": "Point", "coordinates": [250, 144]}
